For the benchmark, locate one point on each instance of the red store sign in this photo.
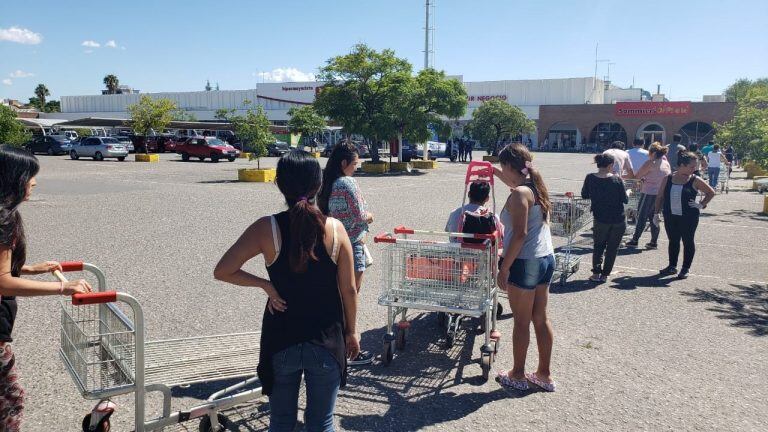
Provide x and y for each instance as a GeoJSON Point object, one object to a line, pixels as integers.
{"type": "Point", "coordinates": [652, 109]}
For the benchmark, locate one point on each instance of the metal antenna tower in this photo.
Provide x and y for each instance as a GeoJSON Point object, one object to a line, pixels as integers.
{"type": "Point", "coordinates": [429, 36]}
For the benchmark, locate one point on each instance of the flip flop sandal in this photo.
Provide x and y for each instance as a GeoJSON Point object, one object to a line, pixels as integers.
{"type": "Point", "coordinates": [503, 378]}
{"type": "Point", "coordinates": [546, 386]}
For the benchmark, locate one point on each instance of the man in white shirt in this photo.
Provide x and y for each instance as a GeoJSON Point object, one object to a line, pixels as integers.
{"type": "Point", "coordinates": [622, 165]}
{"type": "Point", "coordinates": [637, 154]}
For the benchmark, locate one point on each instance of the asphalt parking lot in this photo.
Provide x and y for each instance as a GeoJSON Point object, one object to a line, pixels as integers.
{"type": "Point", "coordinates": [638, 353]}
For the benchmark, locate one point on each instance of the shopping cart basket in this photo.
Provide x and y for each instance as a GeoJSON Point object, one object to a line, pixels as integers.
{"type": "Point", "coordinates": [569, 215]}
{"type": "Point", "coordinates": [105, 352]}
{"type": "Point", "coordinates": [458, 279]}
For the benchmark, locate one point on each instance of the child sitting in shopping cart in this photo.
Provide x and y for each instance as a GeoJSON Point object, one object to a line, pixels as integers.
{"type": "Point", "coordinates": [474, 217]}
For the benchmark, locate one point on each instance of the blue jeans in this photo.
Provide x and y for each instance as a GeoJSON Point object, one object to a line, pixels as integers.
{"type": "Point", "coordinates": [358, 253]}
{"type": "Point", "coordinates": [322, 376]}
{"type": "Point", "coordinates": [529, 273]}
{"type": "Point", "coordinates": [713, 174]}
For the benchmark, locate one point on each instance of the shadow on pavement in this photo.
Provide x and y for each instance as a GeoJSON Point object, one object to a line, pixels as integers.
{"type": "Point", "coordinates": [746, 307]}
{"type": "Point", "coordinates": [414, 391]}
{"type": "Point", "coordinates": [634, 282]}
{"type": "Point", "coordinates": [218, 181]}
{"type": "Point", "coordinates": [749, 214]}
{"type": "Point", "coordinates": [571, 287]}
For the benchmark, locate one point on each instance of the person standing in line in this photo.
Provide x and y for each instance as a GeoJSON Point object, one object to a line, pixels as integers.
{"type": "Point", "coordinates": [673, 149]}
{"type": "Point", "coordinates": [462, 146]}
{"type": "Point", "coordinates": [637, 154]}
{"type": "Point", "coordinates": [527, 266]}
{"type": "Point", "coordinates": [651, 173]}
{"type": "Point", "coordinates": [340, 198]}
{"type": "Point", "coordinates": [730, 156]}
{"type": "Point", "coordinates": [18, 169]}
{"type": "Point", "coordinates": [622, 165]}
{"type": "Point", "coordinates": [608, 196]}
{"type": "Point", "coordinates": [677, 199]}
{"type": "Point", "coordinates": [701, 161]}
{"type": "Point", "coordinates": [309, 323]}
{"type": "Point", "coordinates": [707, 148]}
{"type": "Point", "coordinates": [715, 161]}
{"type": "Point", "coordinates": [470, 146]}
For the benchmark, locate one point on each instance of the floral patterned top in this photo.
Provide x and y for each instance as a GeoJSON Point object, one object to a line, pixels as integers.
{"type": "Point", "coordinates": [346, 204]}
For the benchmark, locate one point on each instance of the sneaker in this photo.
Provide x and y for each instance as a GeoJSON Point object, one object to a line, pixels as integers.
{"type": "Point", "coordinates": [683, 274]}
{"type": "Point", "coordinates": [668, 271]}
{"type": "Point", "coordinates": [652, 245]}
{"type": "Point", "coordinates": [631, 243]}
{"type": "Point", "coordinates": [363, 358]}
{"type": "Point", "coordinates": [595, 277]}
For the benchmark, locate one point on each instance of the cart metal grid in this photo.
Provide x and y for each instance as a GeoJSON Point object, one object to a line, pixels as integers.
{"type": "Point", "coordinates": [569, 215]}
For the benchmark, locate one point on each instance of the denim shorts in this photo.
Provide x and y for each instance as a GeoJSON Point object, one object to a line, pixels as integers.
{"type": "Point", "coordinates": [528, 273]}
{"type": "Point", "coordinates": [358, 252]}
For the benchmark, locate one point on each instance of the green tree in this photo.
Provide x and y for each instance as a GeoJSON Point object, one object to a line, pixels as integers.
{"type": "Point", "coordinates": [111, 82]}
{"type": "Point", "coordinates": [253, 129]}
{"type": "Point", "coordinates": [41, 92]}
{"type": "Point", "coordinates": [497, 120]}
{"type": "Point", "coordinates": [738, 90]}
{"type": "Point", "coordinates": [151, 115]}
{"type": "Point", "coordinates": [53, 106]}
{"type": "Point", "coordinates": [223, 114]}
{"type": "Point", "coordinates": [423, 101]}
{"type": "Point", "coordinates": [181, 114]}
{"type": "Point", "coordinates": [11, 131]}
{"type": "Point", "coordinates": [748, 130]}
{"type": "Point", "coordinates": [357, 90]}
{"type": "Point", "coordinates": [305, 121]}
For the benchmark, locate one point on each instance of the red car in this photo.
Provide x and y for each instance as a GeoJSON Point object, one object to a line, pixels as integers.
{"type": "Point", "coordinates": [206, 147]}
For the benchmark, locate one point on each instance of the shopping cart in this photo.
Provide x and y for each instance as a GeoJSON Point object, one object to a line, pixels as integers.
{"type": "Point", "coordinates": [724, 177]}
{"type": "Point", "coordinates": [569, 215]}
{"type": "Point", "coordinates": [457, 279]}
{"type": "Point", "coordinates": [104, 349]}
{"type": "Point", "coordinates": [632, 208]}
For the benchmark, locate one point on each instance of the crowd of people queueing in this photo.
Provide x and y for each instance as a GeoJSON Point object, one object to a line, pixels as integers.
{"type": "Point", "coordinates": [315, 255]}
{"type": "Point", "coordinates": [670, 184]}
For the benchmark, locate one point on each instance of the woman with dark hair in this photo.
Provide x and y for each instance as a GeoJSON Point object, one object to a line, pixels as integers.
{"type": "Point", "coordinates": [651, 173]}
{"type": "Point", "coordinates": [18, 169]}
{"type": "Point", "coordinates": [608, 196]}
{"type": "Point", "coordinates": [677, 199]}
{"type": "Point", "coordinates": [527, 265]}
{"type": "Point", "coordinates": [308, 327]}
{"type": "Point", "coordinates": [340, 198]}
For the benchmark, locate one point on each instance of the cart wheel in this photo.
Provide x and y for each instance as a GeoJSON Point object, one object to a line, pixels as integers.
{"type": "Point", "coordinates": [400, 339]}
{"type": "Point", "coordinates": [486, 360]}
{"type": "Point", "coordinates": [389, 352]}
{"type": "Point", "coordinates": [441, 319]}
{"type": "Point", "coordinates": [205, 424]}
{"type": "Point", "coordinates": [101, 427]}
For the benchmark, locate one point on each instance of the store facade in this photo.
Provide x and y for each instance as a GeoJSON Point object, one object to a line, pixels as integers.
{"type": "Point", "coordinates": [576, 127]}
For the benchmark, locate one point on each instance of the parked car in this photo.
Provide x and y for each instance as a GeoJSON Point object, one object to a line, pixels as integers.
{"type": "Point", "coordinates": [207, 147]}
{"type": "Point", "coordinates": [50, 144]}
{"type": "Point", "coordinates": [363, 149]}
{"type": "Point", "coordinates": [278, 148]}
{"type": "Point", "coordinates": [435, 150]}
{"type": "Point", "coordinates": [99, 148]}
{"type": "Point", "coordinates": [68, 134]}
{"type": "Point", "coordinates": [154, 143]}
{"type": "Point", "coordinates": [126, 141]}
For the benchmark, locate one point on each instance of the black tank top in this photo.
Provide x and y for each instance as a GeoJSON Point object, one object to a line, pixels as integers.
{"type": "Point", "coordinates": [315, 313]}
{"type": "Point", "coordinates": [689, 193]}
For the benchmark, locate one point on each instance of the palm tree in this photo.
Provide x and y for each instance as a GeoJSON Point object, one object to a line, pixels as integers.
{"type": "Point", "coordinates": [41, 91]}
{"type": "Point", "coordinates": [111, 82]}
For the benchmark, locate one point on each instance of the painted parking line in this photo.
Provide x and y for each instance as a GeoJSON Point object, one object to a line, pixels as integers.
{"type": "Point", "coordinates": [727, 225]}
{"type": "Point", "coordinates": [656, 271]}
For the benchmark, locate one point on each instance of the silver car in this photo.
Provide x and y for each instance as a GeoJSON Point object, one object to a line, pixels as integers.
{"type": "Point", "coordinates": [98, 148]}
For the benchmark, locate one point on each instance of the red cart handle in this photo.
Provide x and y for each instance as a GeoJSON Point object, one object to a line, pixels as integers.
{"type": "Point", "coordinates": [479, 171]}
{"type": "Point", "coordinates": [72, 266]}
{"type": "Point", "coordinates": [94, 298]}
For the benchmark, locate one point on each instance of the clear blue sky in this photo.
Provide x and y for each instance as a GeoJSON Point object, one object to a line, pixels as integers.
{"type": "Point", "coordinates": [689, 47]}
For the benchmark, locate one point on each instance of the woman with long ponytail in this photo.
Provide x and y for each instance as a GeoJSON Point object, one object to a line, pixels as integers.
{"type": "Point", "coordinates": [527, 265]}
{"type": "Point", "coordinates": [309, 322]}
{"type": "Point", "coordinates": [18, 169]}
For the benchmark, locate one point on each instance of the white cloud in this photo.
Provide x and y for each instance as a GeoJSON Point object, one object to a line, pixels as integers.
{"type": "Point", "coordinates": [111, 44]}
{"type": "Point", "coordinates": [18, 73]}
{"type": "Point", "coordinates": [88, 51]}
{"type": "Point", "coordinates": [20, 35]}
{"type": "Point", "coordinates": [285, 74]}
{"type": "Point", "coordinates": [7, 81]}
{"type": "Point", "coordinates": [90, 44]}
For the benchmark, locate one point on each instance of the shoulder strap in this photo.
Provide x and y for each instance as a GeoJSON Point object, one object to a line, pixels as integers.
{"type": "Point", "coordinates": [275, 239]}
{"type": "Point", "coordinates": [335, 246]}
